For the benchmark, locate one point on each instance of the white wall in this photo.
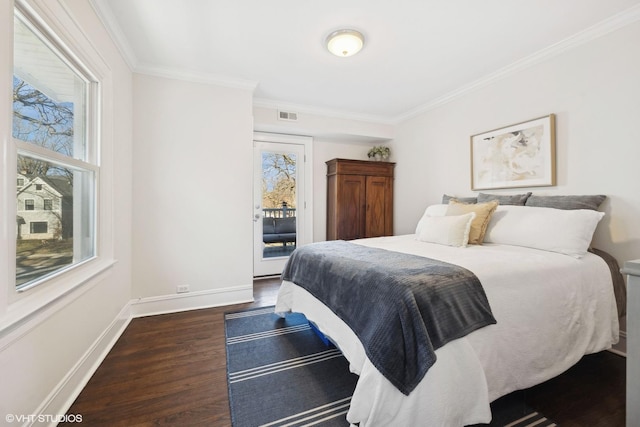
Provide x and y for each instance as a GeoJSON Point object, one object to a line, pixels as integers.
{"type": "Point", "coordinates": [321, 125]}
{"type": "Point", "coordinates": [192, 186]}
{"type": "Point", "coordinates": [593, 90]}
{"type": "Point", "coordinates": [183, 188]}
{"type": "Point", "coordinates": [39, 354]}
{"type": "Point", "coordinates": [333, 137]}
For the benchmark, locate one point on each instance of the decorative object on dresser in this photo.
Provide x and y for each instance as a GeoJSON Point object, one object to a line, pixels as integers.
{"type": "Point", "coordinates": [379, 153]}
{"type": "Point", "coordinates": [359, 199]}
{"type": "Point", "coordinates": [632, 270]}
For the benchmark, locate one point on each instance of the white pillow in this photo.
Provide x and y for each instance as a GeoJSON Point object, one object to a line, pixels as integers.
{"type": "Point", "coordinates": [565, 231]}
{"type": "Point", "coordinates": [446, 230]}
{"type": "Point", "coordinates": [433, 210]}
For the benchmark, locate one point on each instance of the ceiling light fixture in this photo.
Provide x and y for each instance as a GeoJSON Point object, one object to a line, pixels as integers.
{"type": "Point", "coordinates": [345, 43]}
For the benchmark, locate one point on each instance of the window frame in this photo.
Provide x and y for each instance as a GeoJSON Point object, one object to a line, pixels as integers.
{"type": "Point", "coordinates": [33, 224]}
{"type": "Point", "coordinates": [21, 311]}
{"type": "Point", "coordinates": [89, 163]}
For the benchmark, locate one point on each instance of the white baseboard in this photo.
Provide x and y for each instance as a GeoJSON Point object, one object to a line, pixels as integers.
{"type": "Point", "coordinates": [68, 389]}
{"type": "Point", "coordinates": [191, 301]}
{"type": "Point", "coordinates": [621, 347]}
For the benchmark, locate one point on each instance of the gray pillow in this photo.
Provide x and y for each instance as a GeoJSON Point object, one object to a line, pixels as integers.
{"type": "Point", "coordinates": [567, 202]}
{"type": "Point", "coordinates": [506, 199]}
{"type": "Point", "coordinates": [446, 198]}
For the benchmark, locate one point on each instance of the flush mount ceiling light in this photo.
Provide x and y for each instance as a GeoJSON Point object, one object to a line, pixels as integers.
{"type": "Point", "coordinates": [345, 43]}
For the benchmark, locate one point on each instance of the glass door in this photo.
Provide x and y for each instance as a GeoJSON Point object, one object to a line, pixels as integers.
{"type": "Point", "coordinates": [279, 204]}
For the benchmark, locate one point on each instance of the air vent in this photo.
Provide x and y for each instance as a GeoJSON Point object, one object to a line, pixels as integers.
{"type": "Point", "coordinates": [287, 115]}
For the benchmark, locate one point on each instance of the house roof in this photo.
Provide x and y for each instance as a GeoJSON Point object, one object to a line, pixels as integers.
{"type": "Point", "coordinates": [60, 184]}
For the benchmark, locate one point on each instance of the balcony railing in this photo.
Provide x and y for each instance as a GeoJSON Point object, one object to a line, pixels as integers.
{"type": "Point", "coordinates": [283, 212]}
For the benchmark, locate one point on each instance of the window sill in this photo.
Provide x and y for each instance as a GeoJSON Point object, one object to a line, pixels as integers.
{"type": "Point", "coordinates": [30, 309]}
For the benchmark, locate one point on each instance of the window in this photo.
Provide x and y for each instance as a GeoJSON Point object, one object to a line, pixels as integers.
{"type": "Point", "coordinates": [20, 182]}
{"type": "Point", "coordinates": [39, 227]}
{"type": "Point", "coordinates": [55, 133]}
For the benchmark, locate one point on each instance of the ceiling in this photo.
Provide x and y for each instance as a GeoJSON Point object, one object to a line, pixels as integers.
{"type": "Point", "coordinates": [417, 53]}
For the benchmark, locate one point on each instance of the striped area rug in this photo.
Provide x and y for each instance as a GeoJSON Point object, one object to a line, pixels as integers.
{"type": "Point", "coordinates": [512, 411]}
{"type": "Point", "coordinates": [281, 373]}
{"type": "Point", "coordinates": [531, 420]}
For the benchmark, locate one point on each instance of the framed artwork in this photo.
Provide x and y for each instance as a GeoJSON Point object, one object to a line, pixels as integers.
{"type": "Point", "coordinates": [520, 155]}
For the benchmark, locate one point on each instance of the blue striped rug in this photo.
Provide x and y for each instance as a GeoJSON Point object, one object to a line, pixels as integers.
{"type": "Point", "coordinates": [281, 373]}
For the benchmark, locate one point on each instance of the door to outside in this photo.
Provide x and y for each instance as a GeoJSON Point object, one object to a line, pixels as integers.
{"type": "Point", "coordinates": [280, 211]}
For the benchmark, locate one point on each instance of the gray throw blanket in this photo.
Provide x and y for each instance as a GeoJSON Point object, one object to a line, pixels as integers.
{"type": "Point", "coordinates": [402, 307]}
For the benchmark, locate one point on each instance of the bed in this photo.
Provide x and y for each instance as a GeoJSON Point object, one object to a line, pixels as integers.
{"type": "Point", "coordinates": [553, 302]}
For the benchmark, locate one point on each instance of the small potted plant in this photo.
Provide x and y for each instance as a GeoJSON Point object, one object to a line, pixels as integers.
{"type": "Point", "coordinates": [379, 153]}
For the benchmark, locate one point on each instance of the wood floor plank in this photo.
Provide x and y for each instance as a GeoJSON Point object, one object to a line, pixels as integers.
{"type": "Point", "coordinates": [166, 370]}
{"type": "Point", "coordinates": [170, 370]}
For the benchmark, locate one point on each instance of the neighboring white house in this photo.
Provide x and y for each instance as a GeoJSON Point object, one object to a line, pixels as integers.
{"type": "Point", "coordinates": [44, 207]}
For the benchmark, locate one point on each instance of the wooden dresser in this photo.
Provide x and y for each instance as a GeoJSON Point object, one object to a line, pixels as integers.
{"type": "Point", "coordinates": [359, 199]}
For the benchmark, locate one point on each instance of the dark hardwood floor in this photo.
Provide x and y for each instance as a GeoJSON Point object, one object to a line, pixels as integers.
{"type": "Point", "coordinates": [171, 370]}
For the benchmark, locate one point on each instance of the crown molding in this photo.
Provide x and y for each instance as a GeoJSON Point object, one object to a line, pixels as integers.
{"type": "Point", "coordinates": [319, 111]}
{"type": "Point", "coordinates": [105, 14]}
{"type": "Point", "coordinates": [596, 31]}
{"type": "Point", "coordinates": [600, 29]}
{"type": "Point", "coordinates": [196, 77]}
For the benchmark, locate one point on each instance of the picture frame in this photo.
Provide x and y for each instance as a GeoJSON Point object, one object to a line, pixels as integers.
{"type": "Point", "coordinates": [518, 155]}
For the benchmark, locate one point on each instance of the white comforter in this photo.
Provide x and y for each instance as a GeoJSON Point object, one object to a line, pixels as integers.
{"type": "Point", "coordinates": [551, 309]}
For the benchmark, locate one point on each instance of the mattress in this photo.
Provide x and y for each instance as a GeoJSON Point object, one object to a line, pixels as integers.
{"type": "Point", "coordinates": [550, 308]}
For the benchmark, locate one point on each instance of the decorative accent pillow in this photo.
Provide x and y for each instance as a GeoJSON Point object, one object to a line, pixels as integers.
{"type": "Point", "coordinates": [508, 199]}
{"type": "Point", "coordinates": [479, 225]}
{"type": "Point", "coordinates": [565, 231]}
{"type": "Point", "coordinates": [567, 202]}
{"type": "Point", "coordinates": [446, 198]}
{"type": "Point", "coordinates": [432, 210]}
{"type": "Point", "coordinates": [446, 230]}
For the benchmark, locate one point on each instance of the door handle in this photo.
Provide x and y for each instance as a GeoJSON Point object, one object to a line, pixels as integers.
{"type": "Point", "coordinates": [256, 217]}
